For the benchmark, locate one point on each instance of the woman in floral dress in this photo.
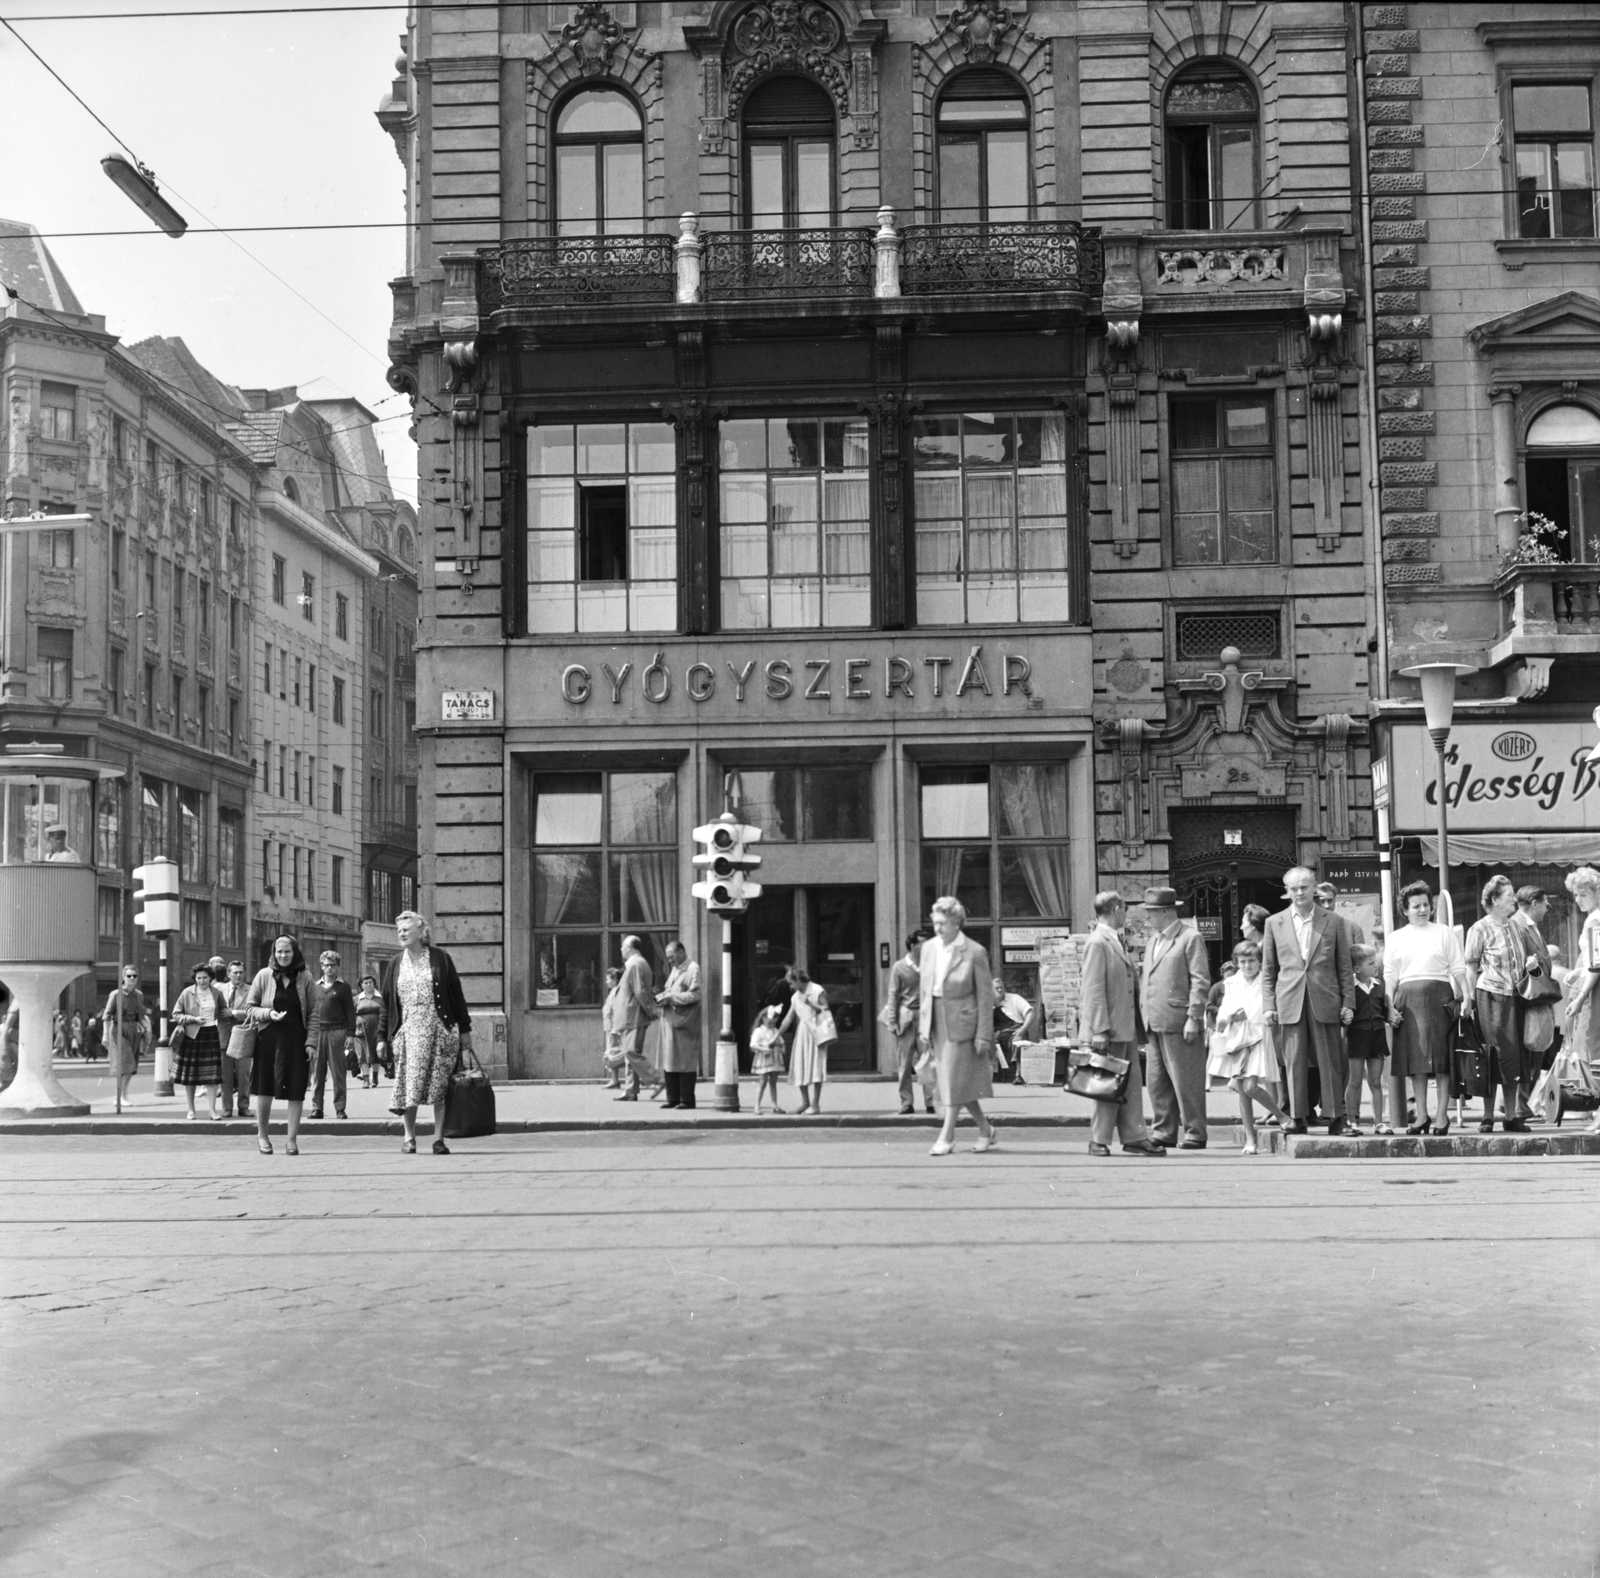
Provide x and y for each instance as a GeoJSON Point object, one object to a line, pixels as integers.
{"type": "Point", "coordinates": [425, 1025]}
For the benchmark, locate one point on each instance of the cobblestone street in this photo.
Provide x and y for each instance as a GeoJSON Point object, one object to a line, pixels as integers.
{"type": "Point", "coordinates": [816, 1353]}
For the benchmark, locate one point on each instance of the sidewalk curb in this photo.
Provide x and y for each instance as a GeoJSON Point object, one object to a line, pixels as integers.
{"type": "Point", "coordinates": [1419, 1147]}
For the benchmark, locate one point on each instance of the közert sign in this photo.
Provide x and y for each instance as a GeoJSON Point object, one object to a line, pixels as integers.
{"type": "Point", "coordinates": [1499, 777]}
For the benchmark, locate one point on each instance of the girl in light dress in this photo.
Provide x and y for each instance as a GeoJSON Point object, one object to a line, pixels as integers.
{"type": "Point", "coordinates": [766, 1055]}
{"type": "Point", "coordinates": [1241, 1059]}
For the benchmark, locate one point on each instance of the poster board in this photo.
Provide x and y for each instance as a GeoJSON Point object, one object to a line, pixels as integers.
{"type": "Point", "coordinates": [1360, 898]}
{"type": "Point", "coordinates": [1061, 984]}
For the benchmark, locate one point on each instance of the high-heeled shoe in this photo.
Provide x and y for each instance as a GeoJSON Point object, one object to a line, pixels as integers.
{"type": "Point", "coordinates": [408, 1147]}
{"type": "Point", "coordinates": [1416, 1128]}
{"type": "Point", "coordinates": [291, 1149]}
{"type": "Point", "coordinates": [941, 1148]}
{"type": "Point", "coordinates": [440, 1148]}
{"type": "Point", "coordinates": [264, 1145]}
{"type": "Point", "coordinates": [1437, 1130]}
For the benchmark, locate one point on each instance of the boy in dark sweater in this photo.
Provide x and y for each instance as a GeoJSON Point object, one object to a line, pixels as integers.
{"type": "Point", "coordinates": [333, 1022]}
{"type": "Point", "coordinates": [1367, 1038]}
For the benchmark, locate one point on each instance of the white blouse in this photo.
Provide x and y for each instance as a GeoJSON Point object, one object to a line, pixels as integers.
{"type": "Point", "coordinates": [1429, 952]}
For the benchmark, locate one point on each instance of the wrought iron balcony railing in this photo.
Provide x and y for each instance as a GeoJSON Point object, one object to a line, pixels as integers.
{"type": "Point", "coordinates": [1032, 255]}
{"type": "Point", "coordinates": [814, 263]}
{"type": "Point", "coordinates": [740, 265]}
{"type": "Point", "coordinates": [556, 270]}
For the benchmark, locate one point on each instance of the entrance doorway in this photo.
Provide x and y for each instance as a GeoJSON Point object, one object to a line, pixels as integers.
{"type": "Point", "coordinates": [828, 932]}
{"type": "Point", "coordinates": [1225, 860]}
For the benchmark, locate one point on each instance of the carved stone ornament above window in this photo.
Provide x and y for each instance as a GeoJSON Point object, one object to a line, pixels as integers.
{"type": "Point", "coordinates": [981, 28]}
{"type": "Point", "coordinates": [593, 36]}
{"type": "Point", "coordinates": [1206, 97]}
{"type": "Point", "coordinates": [788, 35]}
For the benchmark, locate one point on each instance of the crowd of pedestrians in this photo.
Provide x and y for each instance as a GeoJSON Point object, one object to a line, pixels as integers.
{"type": "Point", "coordinates": [1308, 1016]}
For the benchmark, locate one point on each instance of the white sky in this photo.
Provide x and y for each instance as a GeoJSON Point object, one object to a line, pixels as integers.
{"type": "Point", "coordinates": [256, 120]}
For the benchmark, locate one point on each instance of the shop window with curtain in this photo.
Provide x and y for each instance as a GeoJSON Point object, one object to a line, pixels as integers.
{"type": "Point", "coordinates": [989, 496]}
{"type": "Point", "coordinates": [602, 527]}
{"type": "Point", "coordinates": [983, 149]}
{"type": "Point", "coordinates": [599, 165]}
{"type": "Point", "coordinates": [192, 835]}
{"type": "Point", "coordinates": [1212, 146]}
{"type": "Point", "coordinates": [605, 864]}
{"type": "Point", "coordinates": [995, 837]}
{"type": "Point", "coordinates": [1552, 125]}
{"type": "Point", "coordinates": [1562, 467]}
{"type": "Point", "coordinates": [1223, 481]}
{"type": "Point", "coordinates": [795, 533]}
{"type": "Point", "coordinates": [788, 142]}
{"type": "Point", "coordinates": [806, 804]}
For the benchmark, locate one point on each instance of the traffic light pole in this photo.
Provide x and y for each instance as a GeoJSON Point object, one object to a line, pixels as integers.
{"type": "Point", "coordinates": [725, 1089]}
{"type": "Point", "coordinates": [163, 1047]}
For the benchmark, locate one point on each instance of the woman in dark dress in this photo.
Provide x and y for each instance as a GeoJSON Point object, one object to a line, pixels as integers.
{"type": "Point", "coordinates": [279, 1006]}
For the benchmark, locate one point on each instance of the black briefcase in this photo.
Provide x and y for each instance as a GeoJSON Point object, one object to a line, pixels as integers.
{"type": "Point", "coordinates": [469, 1108]}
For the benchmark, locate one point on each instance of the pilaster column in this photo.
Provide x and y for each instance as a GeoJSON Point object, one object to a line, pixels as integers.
{"type": "Point", "coordinates": [1507, 494]}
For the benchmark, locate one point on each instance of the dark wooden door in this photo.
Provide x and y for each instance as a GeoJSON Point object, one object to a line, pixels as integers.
{"type": "Point", "coordinates": [839, 955]}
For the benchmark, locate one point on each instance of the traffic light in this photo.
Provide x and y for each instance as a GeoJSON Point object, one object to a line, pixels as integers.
{"type": "Point", "coordinates": [155, 895]}
{"type": "Point", "coordinates": [726, 858]}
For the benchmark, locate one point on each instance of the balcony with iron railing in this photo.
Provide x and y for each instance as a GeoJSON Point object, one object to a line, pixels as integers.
{"type": "Point", "coordinates": [1045, 256]}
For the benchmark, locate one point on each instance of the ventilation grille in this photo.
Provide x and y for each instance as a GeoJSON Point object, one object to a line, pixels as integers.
{"type": "Point", "coordinates": [1201, 637]}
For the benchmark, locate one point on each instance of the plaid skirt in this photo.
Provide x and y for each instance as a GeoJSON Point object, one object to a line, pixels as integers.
{"type": "Point", "coordinates": [199, 1059]}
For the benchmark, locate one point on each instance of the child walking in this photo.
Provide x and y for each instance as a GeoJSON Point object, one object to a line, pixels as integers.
{"type": "Point", "coordinates": [1367, 1039]}
{"type": "Point", "coordinates": [1240, 1058]}
{"type": "Point", "coordinates": [766, 1055]}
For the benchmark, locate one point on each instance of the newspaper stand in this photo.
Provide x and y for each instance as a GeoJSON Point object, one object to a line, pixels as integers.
{"type": "Point", "coordinates": [48, 883]}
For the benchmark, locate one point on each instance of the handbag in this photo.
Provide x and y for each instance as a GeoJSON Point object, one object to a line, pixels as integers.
{"type": "Point", "coordinates": [1100, 1076]}
{"type": "Point", "coordinates": [823, 1029]}
{"type": "Point", "coordinates": [1538, 1027]}
{"type": "Point", "coordinates": [1539, 989]}
{"type": "Point", "coordinates": [1470, 1071]}
{"type": "Point", "coordinates": [242, 1043]}
{"type": "Point", "coordinates": [469, 1108]}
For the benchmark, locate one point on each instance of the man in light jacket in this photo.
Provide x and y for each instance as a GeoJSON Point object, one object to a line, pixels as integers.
{"type": "Point", "coordinates": [1106, 1021]}
{"type": "Point", "coordinates": [1172, 997]}
{"type": "Point", "coordinates": [1309, 988]}
{"type": "Point", "coordinates": [635, 1010]}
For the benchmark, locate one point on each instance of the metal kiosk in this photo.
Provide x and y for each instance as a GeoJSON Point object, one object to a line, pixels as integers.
{"type": "Point", "coordinates": [47, 906]}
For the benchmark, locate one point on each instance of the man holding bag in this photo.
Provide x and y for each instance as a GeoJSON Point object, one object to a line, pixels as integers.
{"type": "Point", "coordinates": [1107, 1022]}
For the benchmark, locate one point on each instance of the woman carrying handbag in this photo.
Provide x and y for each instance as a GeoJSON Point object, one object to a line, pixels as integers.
{"type": "Point", "coordinates": [426, 1023]}
{"type": "Point", "coordinates": [811, 1021]}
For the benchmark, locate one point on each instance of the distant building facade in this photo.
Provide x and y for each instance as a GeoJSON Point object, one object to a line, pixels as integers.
{"type": "Point", "coordinates": [126, 639]}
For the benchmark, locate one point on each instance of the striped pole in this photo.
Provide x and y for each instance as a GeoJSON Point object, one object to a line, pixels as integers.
{"type": "Point", "coordinates": [725, 1091]}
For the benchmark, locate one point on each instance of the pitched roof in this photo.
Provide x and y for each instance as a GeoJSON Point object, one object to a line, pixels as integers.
{"type": "Point", "coordinates": [170, 359]}
{"type": "Point", "coordinates": [258, 434]}
{"type": "Point", "coordinates": [28, 268]}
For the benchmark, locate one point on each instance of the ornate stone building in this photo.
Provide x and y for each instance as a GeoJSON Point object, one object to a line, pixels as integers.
{"type": "Point", "coordinates": [1480, 154]}
{"type": "Point", "coordinates": [936, 430]}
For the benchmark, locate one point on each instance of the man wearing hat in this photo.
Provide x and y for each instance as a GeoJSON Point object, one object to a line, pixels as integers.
{"type": "Point", "coordinates": [55, 846]}
{"type": "Point", "coordinates": [1172, 999]}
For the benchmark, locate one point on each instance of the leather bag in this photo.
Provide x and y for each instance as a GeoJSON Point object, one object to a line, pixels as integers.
{"type": "Point", "coordinates": [469, 1108]}
{"type": "Point", "coordinates": [1470, 1071]}
{"type": "Point", "coordinates": [1100, 1076]}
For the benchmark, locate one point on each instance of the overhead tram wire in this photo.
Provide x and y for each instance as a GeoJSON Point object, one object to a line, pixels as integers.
{"type": "Point", "coordinates": [263, 10]}
{"type": "Point", "coordinates": [217, 229]}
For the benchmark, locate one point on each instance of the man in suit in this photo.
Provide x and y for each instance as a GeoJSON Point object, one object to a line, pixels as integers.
{"type": "Point", "coordinates": [1107, 1022]}
{"type": "Point", "coordinates": [900, 1014]}
{"type": "Point", "coordinates": [1172, 998]}
{"type": "Point", "coordinates": [635, 1009]}
{"type": "Point", "coordinates": [1309, 989]}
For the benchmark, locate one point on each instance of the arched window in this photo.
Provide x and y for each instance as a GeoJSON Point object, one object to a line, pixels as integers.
{"type": "Point", "coordinates": [788, 155]}
{"type": "Point", "coordinates": [1563, 472]}
{"type": "Point", "coordinates": [290, 491]}
{"type": "Point", "coordinates": [599, 165]}
{"type": "Point", "coordinates": [1212, 139]}
{"type": "Point", "coordinates": [983, 149]}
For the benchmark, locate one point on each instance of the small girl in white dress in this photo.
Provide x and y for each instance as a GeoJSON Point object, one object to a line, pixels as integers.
{"type": "Point", "coordinates": [1241, 1058]}
{"type": "Point", "coordinates": [766, 1055]}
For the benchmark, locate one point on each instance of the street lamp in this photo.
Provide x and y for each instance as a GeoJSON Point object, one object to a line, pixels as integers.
{"type": "Point", "coordinates": [1438, 704]}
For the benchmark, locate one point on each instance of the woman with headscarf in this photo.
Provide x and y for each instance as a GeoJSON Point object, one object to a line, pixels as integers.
{"type": "Point", "coordinates": [425, 1021]}
{"type": "Point", "coordinates": [279, 1006]}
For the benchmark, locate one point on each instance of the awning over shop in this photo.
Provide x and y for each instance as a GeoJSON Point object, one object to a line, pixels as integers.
{"type": "Point", "coordinates": [1516, 849]}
